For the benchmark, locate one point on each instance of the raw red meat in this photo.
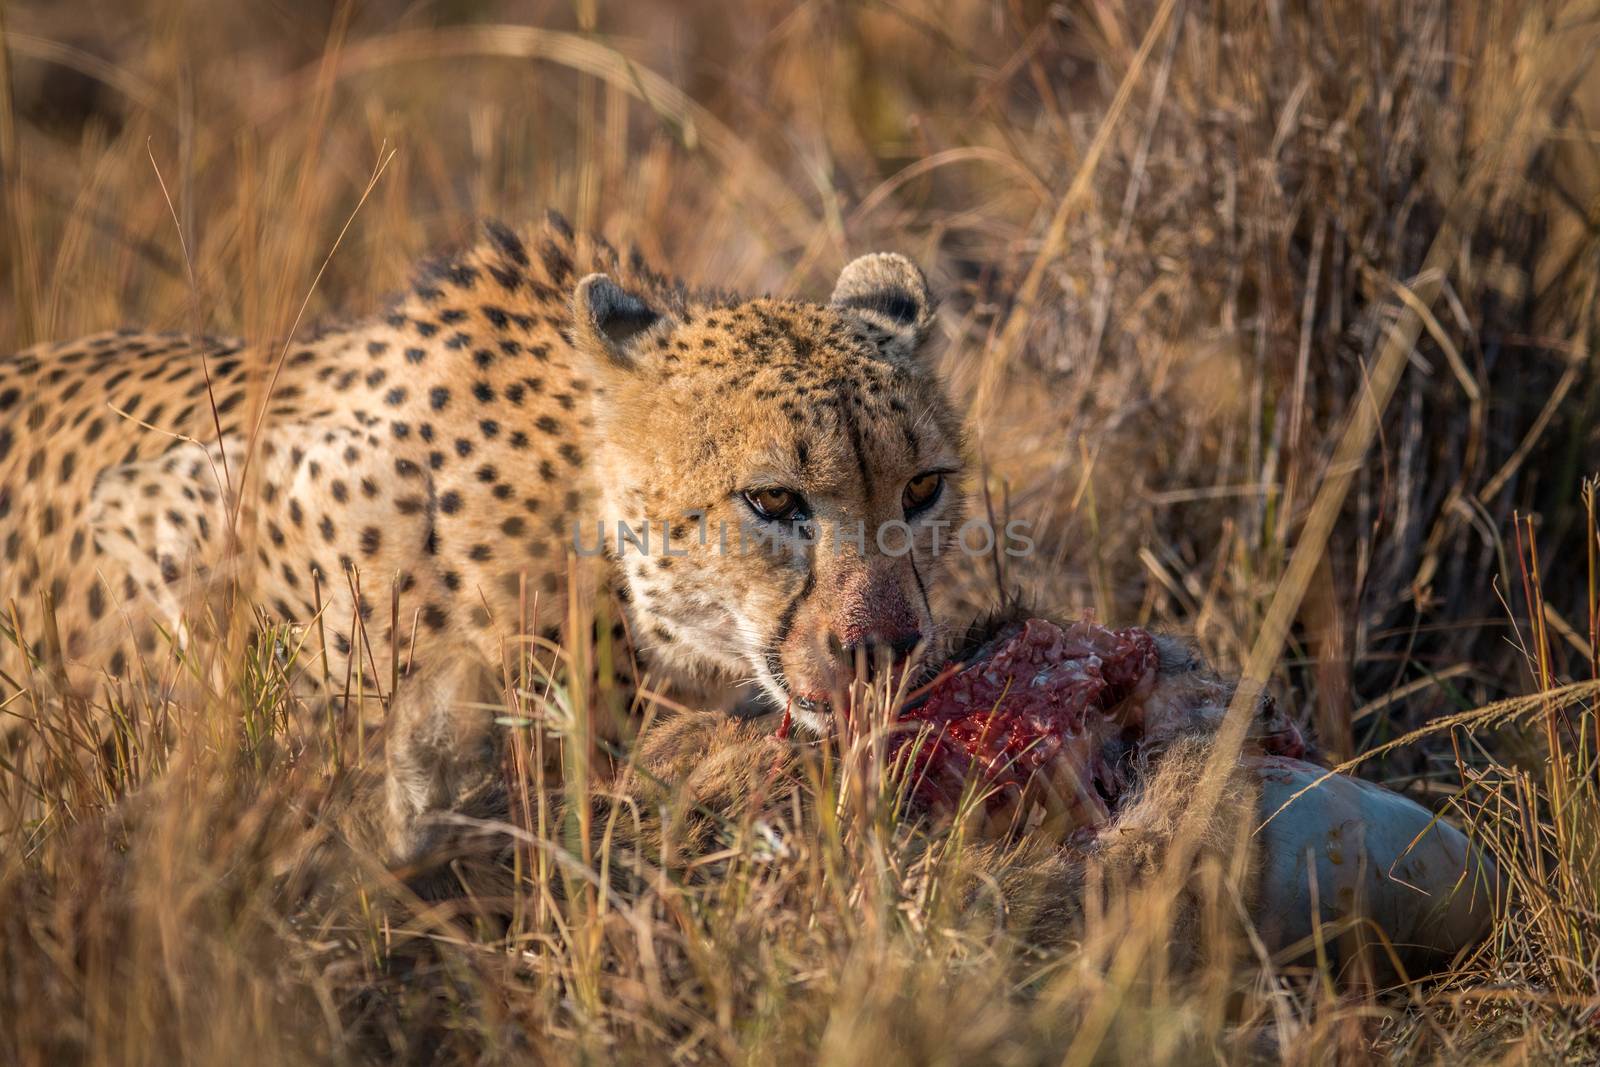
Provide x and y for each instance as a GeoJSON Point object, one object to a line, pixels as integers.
{"type": "Point", "coordinates": [1042, 713]}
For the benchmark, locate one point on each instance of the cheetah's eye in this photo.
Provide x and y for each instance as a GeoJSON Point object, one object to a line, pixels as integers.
{"type": "Point", "coordinates": [921, 492]}
{"type": "Point", "coordinates": [773, 503]}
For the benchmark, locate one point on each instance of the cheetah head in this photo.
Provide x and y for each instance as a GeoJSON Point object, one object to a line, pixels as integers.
{"type": "Point", "coordinates": [787, 475]}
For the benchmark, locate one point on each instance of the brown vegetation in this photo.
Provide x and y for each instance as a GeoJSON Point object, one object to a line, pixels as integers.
{"type": "Point", "coordinates": [1275, 318]}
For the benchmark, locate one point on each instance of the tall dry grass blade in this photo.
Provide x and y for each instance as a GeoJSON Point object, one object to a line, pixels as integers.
{"type": "Point", "coordinates": [1020, 317]}
{"type": "Point", "coordinates": [18, 205]}
{"type": "Point", "coordinates": [1360, 430]}
{"type": "Point", "coordinates": [748, 172]}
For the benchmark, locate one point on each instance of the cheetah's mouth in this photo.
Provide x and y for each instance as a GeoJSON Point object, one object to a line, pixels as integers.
{"type": "Point", "coordinates": [785, 694]}
{"type": "Point", "coordinates": [783, 691]}
{"type": "Point", "coordinates": [821, 707]}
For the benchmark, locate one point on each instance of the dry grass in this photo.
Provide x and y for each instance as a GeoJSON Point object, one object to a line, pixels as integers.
{"type": "Point", "coordinates": [1188, 248]}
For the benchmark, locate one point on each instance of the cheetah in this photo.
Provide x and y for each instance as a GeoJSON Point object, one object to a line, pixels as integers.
{"type": "Point", "coordinates": [524, 401]}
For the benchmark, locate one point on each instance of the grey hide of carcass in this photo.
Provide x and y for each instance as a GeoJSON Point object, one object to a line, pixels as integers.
{"type": "Point", "coordinates": [1362, 859]}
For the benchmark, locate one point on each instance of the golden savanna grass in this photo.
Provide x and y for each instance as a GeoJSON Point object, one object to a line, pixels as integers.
{"type": "Point", "coordinates": [1275, 318]}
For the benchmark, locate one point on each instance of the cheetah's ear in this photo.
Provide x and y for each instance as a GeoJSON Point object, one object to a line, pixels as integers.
{"type": "Point", "coordinates": [888, 291]}
{"type": "Point", "coordinates": [609, 320]}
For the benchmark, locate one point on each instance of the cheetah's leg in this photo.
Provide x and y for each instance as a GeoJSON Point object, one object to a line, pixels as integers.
{"type": "Point", "coordinates": [332, 525]}
{"type": "Point", "coordinates": [360, 514]}
{"type": "Point", "coordinates": [443, 751]}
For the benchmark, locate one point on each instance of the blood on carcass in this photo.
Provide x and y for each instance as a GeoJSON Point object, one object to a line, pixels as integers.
{"type": "Point", "coordinates": [1044, 712]}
